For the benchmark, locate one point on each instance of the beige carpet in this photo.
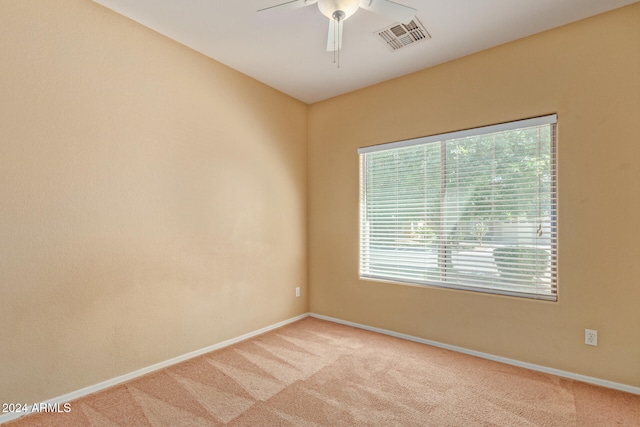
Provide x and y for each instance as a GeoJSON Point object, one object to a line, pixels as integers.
{"type": "Point", "coordinates": [317, 373]}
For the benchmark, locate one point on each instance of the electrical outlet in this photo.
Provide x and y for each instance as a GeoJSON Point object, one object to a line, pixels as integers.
{"type": "Point", "coordinates": [298, 291]}
{"type": "Point", "coordinates": [591, 337]}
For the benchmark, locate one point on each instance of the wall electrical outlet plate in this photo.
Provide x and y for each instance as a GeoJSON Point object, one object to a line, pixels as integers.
{"type": "Point", "coordinates": [298, 291]}
{"type": "Point", "coordinates": [591, 337]}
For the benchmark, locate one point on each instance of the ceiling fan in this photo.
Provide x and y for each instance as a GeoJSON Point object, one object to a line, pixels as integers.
{"type": "Point", "coordinates": [339, 10]}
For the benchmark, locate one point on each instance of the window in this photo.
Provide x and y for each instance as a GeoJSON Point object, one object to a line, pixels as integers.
{"type": "Point", "coordinates": [472, 210]}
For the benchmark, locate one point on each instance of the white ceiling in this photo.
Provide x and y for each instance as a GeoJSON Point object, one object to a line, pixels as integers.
{"type": "Point", "coordinates": [286, 49]}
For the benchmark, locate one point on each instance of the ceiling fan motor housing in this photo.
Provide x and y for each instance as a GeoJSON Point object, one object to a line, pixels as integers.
{"type": "Point", "coordinates": [329, 7]}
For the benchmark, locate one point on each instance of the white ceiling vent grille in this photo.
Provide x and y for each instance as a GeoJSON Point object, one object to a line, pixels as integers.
{"type": "Point", "coordinates": [398, 36]}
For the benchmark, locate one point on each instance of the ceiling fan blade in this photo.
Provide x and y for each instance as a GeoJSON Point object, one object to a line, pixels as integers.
{"type": "Point", "coordinates": [395, 11]}
{"type": "Point", "coordinates": [335, 31]}
{"type": "Point", "coordinates": [292, 4]}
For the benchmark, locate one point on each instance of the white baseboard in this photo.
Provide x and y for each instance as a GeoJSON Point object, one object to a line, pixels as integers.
{"type": "Point", "coordinates": [552, 371]}
{"type": "Point", "coordinates": [4, 418]}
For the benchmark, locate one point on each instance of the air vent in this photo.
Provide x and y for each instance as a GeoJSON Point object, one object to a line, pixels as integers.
{"type": "Point", "coordinates": [398, 36]}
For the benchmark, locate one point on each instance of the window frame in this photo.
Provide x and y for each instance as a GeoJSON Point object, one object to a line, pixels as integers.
{"type": "Point", "coordinates": [551, 293]}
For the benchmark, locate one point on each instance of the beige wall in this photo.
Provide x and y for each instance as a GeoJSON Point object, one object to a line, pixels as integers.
{"type": "Point", "coordinates": [152, 201]}
{"type": "Point", "coordinates": [589, 74]}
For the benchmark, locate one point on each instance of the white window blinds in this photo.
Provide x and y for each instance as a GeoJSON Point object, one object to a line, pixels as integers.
{"type": "Point", "coordinates": [473, 210]}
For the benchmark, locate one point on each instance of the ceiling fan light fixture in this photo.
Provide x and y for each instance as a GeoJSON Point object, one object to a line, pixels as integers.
{"type": "Point", "coordinates": [329, 8]}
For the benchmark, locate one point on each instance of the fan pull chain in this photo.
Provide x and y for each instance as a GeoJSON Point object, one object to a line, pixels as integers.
{"type": "Point", "coordinates": [337, 16]}
{"type": "Point", "coordinates": [338, 42]}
